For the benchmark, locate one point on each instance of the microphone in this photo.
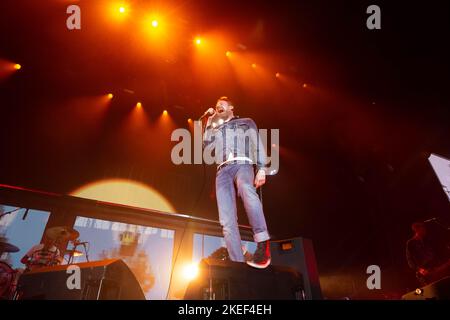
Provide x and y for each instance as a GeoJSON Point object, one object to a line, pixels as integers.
{"type": "Point", "coordinates": [25, 214]}
{"type": "Point", "coordinates": [208, 112]}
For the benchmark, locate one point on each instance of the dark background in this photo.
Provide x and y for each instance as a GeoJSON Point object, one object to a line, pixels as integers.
{"type": "Point", "coordinates": [354, 145]}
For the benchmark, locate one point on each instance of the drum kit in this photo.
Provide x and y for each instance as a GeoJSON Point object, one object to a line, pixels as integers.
{"type": "Point", "coordinates": [9, 277]}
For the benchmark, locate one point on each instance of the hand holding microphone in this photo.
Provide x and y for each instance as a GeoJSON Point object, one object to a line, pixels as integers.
{"type": "Point", "coordinates": [208, 112]}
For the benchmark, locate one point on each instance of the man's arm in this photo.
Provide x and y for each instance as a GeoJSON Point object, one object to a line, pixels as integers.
{"type": "Point", "coordinates": [410, 257]}
{"type": "Point", "coordinates": [26, 258]}
{"type": "Point", "coordinates": [208, 136]}
{"type": "Point", "coordinates": [261, 156]}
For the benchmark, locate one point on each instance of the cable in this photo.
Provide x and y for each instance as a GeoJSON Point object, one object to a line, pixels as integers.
{"type": "Point", "coordinates": [175, 261]}
{"type": "Point", "coordinates": [202, 188]}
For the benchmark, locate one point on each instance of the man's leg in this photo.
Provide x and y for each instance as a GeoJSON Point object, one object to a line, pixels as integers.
{"type": "Point", "coordinates": [253, 207]}
{"type": "Point", "coordinates": [245, 185]}
{"type": "Point", "coordinates": [226, 203]}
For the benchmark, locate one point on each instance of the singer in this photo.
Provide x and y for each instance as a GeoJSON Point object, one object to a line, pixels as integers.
{"type": "Point", "coordinates": [239, 150]}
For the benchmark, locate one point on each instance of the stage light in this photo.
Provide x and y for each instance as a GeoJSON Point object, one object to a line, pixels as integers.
{"type": "Point", "coordinates": [165, 112]}
{"type": "Point", "coordinates": [189, 120]}
{"type": "Point", "coordinates": [17, 66]}
{"type": "Point", "coordinates": [228, 53]}
{"type": "Point", "coordinates": [253, 65]}
{"type": "Point", "coordinates": [198, 41]}
{"type": "Point", "coordinates": [110, 95]}
{"type": "Point", "coordinates": [155, 23]}
{"type": "Point", "coordinates": [122, 9]}
{"type": "Point", "coordinates": [305, 85]}
{"type": "Point", "coordinates": [139, 105]}
{"type": "Point", "coordinates": [277, 75]}
{"type": "Point", "coordinates": [190, 271]}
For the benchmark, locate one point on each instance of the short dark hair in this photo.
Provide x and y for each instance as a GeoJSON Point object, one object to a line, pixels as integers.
{"type": "Point", "coordinates": [224, 98]}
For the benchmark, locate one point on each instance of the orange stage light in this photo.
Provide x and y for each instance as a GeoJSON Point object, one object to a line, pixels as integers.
{"type": "Point", "coordinates": [165, 112]}
{"type": "Point", "coordinates": [154, 23]}
{"type": "Point", "coordinates": [198, 40]}
{"type": "Point", "coordinates": [110, 95]}
{"type": "Point", "coordinates": [277, 75]}
{"type": "Point", "coordinates": [305, 85]}
{"type": "Point", "coordinates": [17, 66]}
{"type": "Point", "coordinates": [228, 53]}
{"type": "Point", "coordinates": [253, 65]}
{"type": "Point", "coordinates": [138, 105]}
{"type": "Point", "coordinates": [122, 9]}
{"type": "Point", "coordinates": [189, 120]}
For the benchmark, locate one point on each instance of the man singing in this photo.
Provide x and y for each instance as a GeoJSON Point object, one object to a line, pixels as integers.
{"type": "Point", "coordinates": [238, 149]}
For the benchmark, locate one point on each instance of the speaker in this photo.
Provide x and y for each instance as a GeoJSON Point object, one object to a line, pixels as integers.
{"type": "Point", "coordinates": [298, 253]}
{"type": "Point", "coordinates": [439, 290]}
{"type": "Point", "coordinates": [227, 280]}
{"type": "Point", "coordinates": [99, 280]}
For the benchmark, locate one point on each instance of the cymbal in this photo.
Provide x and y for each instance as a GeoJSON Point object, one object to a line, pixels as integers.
{"type": "Point", "coordinates": [74, 253]}
{"type": "Point", "coordinates": [8, 247]}
{"type": "Point", "coordinates": [62, 233]}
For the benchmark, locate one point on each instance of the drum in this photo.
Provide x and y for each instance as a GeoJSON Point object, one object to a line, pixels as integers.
{"type": "Point", "coordinates": [7, 280]}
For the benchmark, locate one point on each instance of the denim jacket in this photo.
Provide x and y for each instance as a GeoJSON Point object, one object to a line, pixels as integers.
{"type": "Point", "coordinates": [238, 137]}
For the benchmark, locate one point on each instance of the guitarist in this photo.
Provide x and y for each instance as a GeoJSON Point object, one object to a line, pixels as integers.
{"type": "Point", "coordinates": [423, 258]}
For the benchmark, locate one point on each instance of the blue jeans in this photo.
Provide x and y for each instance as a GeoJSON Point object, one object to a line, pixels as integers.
{"type": "Point", "coordinates": [243, 176]}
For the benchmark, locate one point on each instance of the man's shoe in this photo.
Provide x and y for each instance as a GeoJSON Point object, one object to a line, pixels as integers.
{"type": "Point", "coordinates": [261, 257]}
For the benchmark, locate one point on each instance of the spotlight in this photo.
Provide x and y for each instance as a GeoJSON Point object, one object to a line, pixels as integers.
{"type": "Point", "coordinates": [139, 105]}
{"type": "Point", "coordinates": [277, 75]}
{"type": "Point", "coordinates": [198, 40]}
{"type": "Point", "coordinates": [122, 9]}
{"type": "Point", "coordinates": [228, 53]}
{"type": "Point", "coordinates": [189, 120]}
{"type": "Point", "coordinates": [17, 66]}
{"type": "Point", "coordinates": [253, 65]}
{"type": "Point", "coordinates": [305, 85]}
{"type": "Point", "coordinates": [110, 95]}
{"type": "Point", "coordinates": [190, 271]}
{"type": "Point", "coordinates": [154, 23]}
{"type": "Point", "coordinates": [165, 112]}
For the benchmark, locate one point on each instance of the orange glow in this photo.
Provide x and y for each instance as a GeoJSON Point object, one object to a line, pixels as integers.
{"type": "Point", "coordinates": [208, 55]}
{"type": "Point", "coordinates": [126, 192]}
{"type": "Point", "coordinates": [305, 85]}
{"type": "Point", "coordinates": [165, 112]}
{"type": "Point", "coordinates": [189, 120]}
{"type": "Point", "coordinates": [253, 65]}
{"type": "Point", "coordinates": [277, 75]}
{"type": "Point", "coordinates": [17, 66]}
{"type": "Point", "coordinates": [228, 53]}
{"type": "Point", "coordinates": [110, 95]}
{"type": "Point", "coordinates": [154, 23]}
{"type": "Point", "coordinates": [122, 9]}
{"type": "Point", "coordinates": [138, 105]}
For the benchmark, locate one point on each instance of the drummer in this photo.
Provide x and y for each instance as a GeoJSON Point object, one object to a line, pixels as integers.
{"type": "Point", "coordinates": [43, 255]}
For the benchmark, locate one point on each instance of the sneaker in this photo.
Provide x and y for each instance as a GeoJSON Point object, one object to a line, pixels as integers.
{"type": "Point", "coordinates": [247, 255]}
{"type": "Point", "coordinates": [261, 257]}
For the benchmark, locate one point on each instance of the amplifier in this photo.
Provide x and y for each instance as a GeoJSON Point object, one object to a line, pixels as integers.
{"type": "Point", "coordinates": [227, 280]}
{"type": "Point", "coordinates": [100, 280]}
